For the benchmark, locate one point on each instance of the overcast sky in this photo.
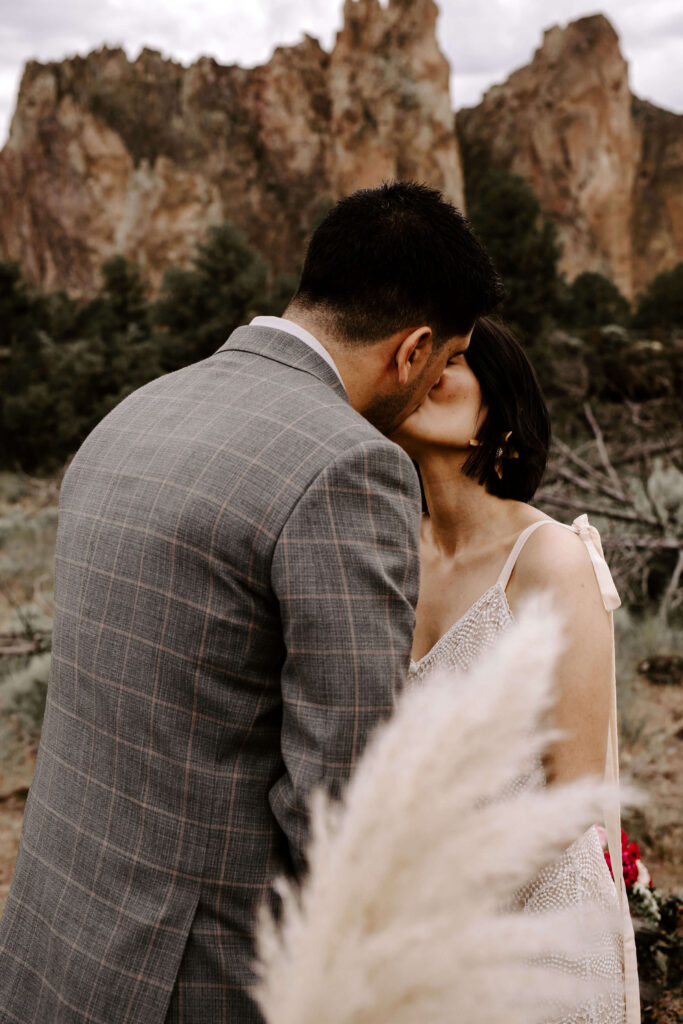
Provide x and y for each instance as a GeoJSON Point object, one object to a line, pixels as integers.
{"type": "Point", "coordinates": [484, 40]}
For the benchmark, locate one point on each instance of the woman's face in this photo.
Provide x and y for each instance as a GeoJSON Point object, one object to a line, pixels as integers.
{"type": "Point", "coordinates": [450, 415]}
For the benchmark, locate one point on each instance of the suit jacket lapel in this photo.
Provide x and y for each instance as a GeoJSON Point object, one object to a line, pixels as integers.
{"type": "Point", "coordinates": [283, 348]}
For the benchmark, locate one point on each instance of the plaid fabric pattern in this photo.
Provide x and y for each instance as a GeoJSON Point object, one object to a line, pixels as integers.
{"type": "Point", "coordinates": [236, 573]}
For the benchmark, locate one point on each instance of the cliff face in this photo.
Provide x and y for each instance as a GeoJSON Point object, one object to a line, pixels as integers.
{"type": "Point", "coordinates": [390, 102]}
{"type": "Point", "coordinates": [607, 169]}
{"type": "Point", "coordinates": [657, 221]}
{"type": "Point", "coordinates": [109, 156]}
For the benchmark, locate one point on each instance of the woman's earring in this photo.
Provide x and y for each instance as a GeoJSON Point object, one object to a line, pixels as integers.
{"type": "Point", "coordinates": [474, 443]}
{"type": "Point", "coordinates": [498, 464]}
{"type": "Point", "coordinates": [505, 451]}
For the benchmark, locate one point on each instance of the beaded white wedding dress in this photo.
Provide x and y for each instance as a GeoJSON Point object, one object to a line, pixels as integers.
{"type": "Point", "coordinates": [581, 875]}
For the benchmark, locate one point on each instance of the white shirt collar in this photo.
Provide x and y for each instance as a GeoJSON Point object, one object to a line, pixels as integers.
{"type": "Point", "coordinates": [280, 323]}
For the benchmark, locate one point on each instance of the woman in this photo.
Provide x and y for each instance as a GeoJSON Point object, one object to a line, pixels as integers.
{"type": "Point", "coordinates": [480, 440]}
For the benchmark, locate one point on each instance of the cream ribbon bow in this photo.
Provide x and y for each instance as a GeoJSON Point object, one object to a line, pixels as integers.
{"type": "Point", "coordinates": [591, 538]}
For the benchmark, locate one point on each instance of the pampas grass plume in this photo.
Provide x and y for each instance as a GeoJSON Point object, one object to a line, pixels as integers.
{"type": "Point", "coordinates": [406, 915]}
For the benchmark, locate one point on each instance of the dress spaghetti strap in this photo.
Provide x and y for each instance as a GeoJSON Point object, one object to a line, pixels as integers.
{"type": "Point", "coordinates": [511, 560]}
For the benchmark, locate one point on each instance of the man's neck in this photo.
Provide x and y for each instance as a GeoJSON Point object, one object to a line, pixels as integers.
{"type": "Point", "coordinates": [313, 325]}
{"type": "Point", "coordinates": [285, 324]}
{"type": "Point", "coordinates": [380, 377]}
{"type": "Point", "coordinates": [347, 362]}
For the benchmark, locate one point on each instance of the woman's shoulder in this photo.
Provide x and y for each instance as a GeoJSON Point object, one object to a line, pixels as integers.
{"type": "Point", "coordinates": [554, 554]}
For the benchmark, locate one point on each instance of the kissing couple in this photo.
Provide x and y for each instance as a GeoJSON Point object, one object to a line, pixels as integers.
{"type": "Point", "coordinates": [249, 568]}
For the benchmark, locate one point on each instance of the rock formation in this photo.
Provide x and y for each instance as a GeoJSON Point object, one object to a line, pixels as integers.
{"type": "Point", "coordinates": [606, 168]}
{"type": "Point", "coordinates": [657, 220]}
{"type": "Point", "coordinates": [107, 155]}
{"type": "Point", "coordinates": [391, 112]}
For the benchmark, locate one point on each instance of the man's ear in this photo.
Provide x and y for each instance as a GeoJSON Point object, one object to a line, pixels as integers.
{"type": "Point", "coordinates": [413, 353]}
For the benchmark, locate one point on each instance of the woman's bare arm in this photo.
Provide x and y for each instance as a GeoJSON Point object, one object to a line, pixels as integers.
{"type": "Point", "coordinates": [557, 562]}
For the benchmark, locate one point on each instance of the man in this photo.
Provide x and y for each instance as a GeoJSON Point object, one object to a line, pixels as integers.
{"type": "Point", "coordinates": [236, 573]}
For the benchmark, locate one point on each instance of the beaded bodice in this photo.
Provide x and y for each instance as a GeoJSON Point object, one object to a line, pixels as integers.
{"type": "Point", "coordinates": [477, 629]}
{"type": "Point", "coordinates": [580, 876]}
{"type": "Point", "coordinates": [461, 645]}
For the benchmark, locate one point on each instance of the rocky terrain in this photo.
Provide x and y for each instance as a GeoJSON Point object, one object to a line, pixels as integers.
{"type": "Point", "coordinates": [606, 167]}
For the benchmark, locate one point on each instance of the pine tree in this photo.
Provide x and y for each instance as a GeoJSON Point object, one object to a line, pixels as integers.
{"type": "Point", "coordinates": [199, 308]}
{"type": "Point", "coordinates": [661, 305]}
{"type": "Point", "coordinates": [507, 217]}
{"type": "Point", "coordinates": [592, 300]}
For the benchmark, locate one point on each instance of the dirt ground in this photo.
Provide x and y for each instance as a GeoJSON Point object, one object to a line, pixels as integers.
{"type": "Point", "coordinates": [11, 817]}
{"type": "Point", "coordinates": [654, 762]}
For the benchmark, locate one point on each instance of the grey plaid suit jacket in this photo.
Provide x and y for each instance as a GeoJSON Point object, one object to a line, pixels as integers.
{"type": "Point", "coordinates": [236, 574]}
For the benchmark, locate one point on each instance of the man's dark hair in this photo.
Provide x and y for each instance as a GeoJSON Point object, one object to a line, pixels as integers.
{"type": "Point", "coordinates": [397, 256]}
{"type": "Point", "coordinates": [514, 402]}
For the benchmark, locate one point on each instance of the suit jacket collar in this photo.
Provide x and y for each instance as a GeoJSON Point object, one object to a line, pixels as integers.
{"type": "Point", "coordinates": [284, 348]}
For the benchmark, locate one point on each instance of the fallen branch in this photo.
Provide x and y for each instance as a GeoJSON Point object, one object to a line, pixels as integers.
{"type": "Point", "coordinates": [604, 454]}
{"type": "Point", "coordinates": [20, 793]}
{"type": "Point", "coordinates": [585, 485]}
{"type": "Point", "coordinates": [669, 593]}
{"type": "Point", "coordinates": [649, 543]}
{"type": "Point", "coordinates": [594, 474]}
{"type": "Point", "coordinates": [579, 506]}
{"type": "Point", "coordinates": [656, 448]}
{"type": "Point", "coordinates": [12, 644]}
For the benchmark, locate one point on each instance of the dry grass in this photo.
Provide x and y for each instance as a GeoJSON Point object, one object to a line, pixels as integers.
{"type": "Point", "coordinates": [651, 729]}
{"type": "Point", "coordinates": [28, 529]}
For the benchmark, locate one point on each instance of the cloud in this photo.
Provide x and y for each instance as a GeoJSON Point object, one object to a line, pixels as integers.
{"type": "Point", "coordinates": [652, 78]}
{"type": "Point", "coordinates": [230, 31]}
{"type": "Point", "coordinates": [483, 42]}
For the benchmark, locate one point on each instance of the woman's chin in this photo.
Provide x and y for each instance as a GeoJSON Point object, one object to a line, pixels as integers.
{"type": "Point", "coordinates": [410, 425]}
{"type": "Point", "coordinates": [406, 437]}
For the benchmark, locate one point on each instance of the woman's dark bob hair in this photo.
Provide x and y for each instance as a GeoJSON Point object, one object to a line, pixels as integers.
{"type": "Point", "coordinates": [514, 402]}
